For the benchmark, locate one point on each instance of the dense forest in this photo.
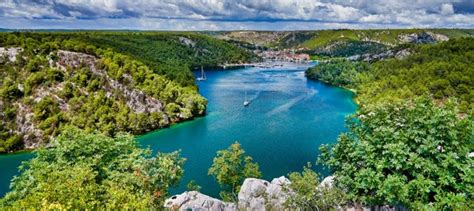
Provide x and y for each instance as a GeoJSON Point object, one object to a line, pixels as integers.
{"type": "Point", "coordinates": [100, 82]}
{"type": "Point", "coordinates": [441, 70]}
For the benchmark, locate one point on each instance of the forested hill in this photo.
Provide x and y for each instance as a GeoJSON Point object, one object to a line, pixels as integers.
{"type": "Point", "coordinates": [444, 70]}
{"type": "Point", "coordinates": [344, 42]}
{"type": "Point", "coordinates": [171, 54]}
{"type": "Point", "coordinates": [100, 81]}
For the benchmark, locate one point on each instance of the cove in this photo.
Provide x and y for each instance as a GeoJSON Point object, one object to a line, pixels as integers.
{"type": "Point", "coordinates": [288, 118]}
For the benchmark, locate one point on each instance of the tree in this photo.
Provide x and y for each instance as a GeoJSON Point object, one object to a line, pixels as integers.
{"type": "Point", "coordinates": [193, 186]}
{"type": "Point", "coordinates": [306, 192]}
{"type": "Point", "coordinates": [91, 171]}
{"type": "Point", "coordinates": [230, 168]}
{"type": "Point", "coordinates": [413, 154]}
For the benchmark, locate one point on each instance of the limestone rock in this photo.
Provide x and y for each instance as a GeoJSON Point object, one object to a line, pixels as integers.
{"type": "Point", "coordinates": [193, 200]}
{"type": "Point", "coordinates": [10, 53]}
{"type": "Point", "coordinates": [423, 37]}
{"type": "Point", "coordinates": [327, 182]}
{"type": "Point", "coordinates": [258, 194]}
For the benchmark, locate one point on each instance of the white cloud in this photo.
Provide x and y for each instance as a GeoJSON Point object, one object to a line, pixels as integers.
{"type": "Point", "coordinates": [235, 14]}
{"type": "Point", "coordinates": [447, 9]}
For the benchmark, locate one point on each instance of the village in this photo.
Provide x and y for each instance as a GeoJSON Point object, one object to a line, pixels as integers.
{"type": "Point", "coordinates": [286, 55]}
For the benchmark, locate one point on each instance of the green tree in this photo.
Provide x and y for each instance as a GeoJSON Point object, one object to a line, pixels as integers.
{"type": "Point", "coordinates": [307, 193]}
{"type": "Point", "coordinates": [193, 186]}
{"type": "Point", "coordinates": [230, 168]}
{"type": "Point", "coordinates": [90, 171]}
{"type": "Point", "coordinates": [413, 154]}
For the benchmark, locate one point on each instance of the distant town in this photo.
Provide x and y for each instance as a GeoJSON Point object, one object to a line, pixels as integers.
{"type": "Point", "coordinates": [287, 55]}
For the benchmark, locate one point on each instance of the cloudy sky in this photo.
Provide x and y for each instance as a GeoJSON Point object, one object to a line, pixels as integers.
{"type": "Point", "coordinates": [234, 14]}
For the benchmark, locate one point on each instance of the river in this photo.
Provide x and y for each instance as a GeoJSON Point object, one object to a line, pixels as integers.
{"type": "Point", "coordinates": [288, 118]}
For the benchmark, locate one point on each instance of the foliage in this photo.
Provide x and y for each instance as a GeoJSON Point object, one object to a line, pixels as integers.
{"type": "Point", "coordinates": [442, 70]}
{"type": "Point", "coordinates": [413, 154]}
{"type": "Point", "coordinates": [80, 97]}
{"type": "Point", "coordinates": [320, 39]}
{"type": "Point", "coordinates": [177, 52]}
{"type": "Point", "coordinates": [91, 171]}
{"type": "Point", "coordinates": [230, 168]}
{"type": "Point", "coordinates": [337, 72]}
{"type": "Point", "coordinates": [307, 193]}
{"type": "Point", "coordinates": [193, 186]}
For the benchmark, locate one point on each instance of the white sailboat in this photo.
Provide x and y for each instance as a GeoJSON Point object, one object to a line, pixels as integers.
{"type": "Point", "coordinates": [246, 101]}
{"type": "Point", "coordinates": [203, 75]}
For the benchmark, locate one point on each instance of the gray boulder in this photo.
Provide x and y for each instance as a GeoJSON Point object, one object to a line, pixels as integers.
{"type": "Point", "coordinates": [193, 200]}
{"type": "Point", "coordinates": [258, 194]}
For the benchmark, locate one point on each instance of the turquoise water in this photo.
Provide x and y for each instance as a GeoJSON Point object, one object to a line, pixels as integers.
{"type": "Point", "coordinates": [9, 168]}
{"type": "Point", "coordinates": [288, 119]}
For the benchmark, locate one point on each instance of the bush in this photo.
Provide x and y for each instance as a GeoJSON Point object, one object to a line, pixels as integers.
{"type": "Point", "coordinates": [411, 153]}
{"type": "Point", "coordinates": [90, 171]}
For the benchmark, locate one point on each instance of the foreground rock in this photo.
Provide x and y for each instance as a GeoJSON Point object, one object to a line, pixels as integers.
{"type": "Point", "coordinates": [255, 194]}
{"type": "Point", "coordinates": [193, 200]}
{"type": "Point", "coordinates": [258, 194]}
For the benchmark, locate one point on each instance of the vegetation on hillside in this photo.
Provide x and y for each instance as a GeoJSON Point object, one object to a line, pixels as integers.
{"type": "Point", "coordinates": [344, 42]}
{"type": "Point", "coordinates": [90, 171]}
{"type": "Point", "coordinates": [338, 72]}
{"type": "Point", "coordinates": [441, 70]}
{"type": "Point", "coordinates": [171, 54]}
{"type": "Point", "coordinates": [320, 38]}
{"type": "Point", "coordinates": [77, 96]}
{"type": "Point", "coordinates": [413, 154]}
{"type": "Point", "coordinates": [102, 97]}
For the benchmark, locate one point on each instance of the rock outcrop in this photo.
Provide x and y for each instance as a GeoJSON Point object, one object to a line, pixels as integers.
{"type": "Point", "coordinates": [258, 194]}
{"type": "Point", "coordinates": [255, 194]}
{"type": "Point", "coordinates": [193, 200]}
{"type": "Point", "coordinates": [423, 37]}
{"type": "Point", "coordinates": [9, 53]}
{"type": "Point", "coordinates": [136, 100]}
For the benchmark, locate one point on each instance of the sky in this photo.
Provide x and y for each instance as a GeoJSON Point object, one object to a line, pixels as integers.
{"type": "Point", "coordinates": [235, 14]}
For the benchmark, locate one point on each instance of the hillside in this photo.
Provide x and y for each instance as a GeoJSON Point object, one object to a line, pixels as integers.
{"type": "Point", "coordinates": [344, 42]}
{"type": "Point", "coordinates": [441, 70]}
{"type": "Point", "coordinates": [92, 81]}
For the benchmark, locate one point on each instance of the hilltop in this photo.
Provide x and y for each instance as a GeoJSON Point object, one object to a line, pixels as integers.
{"type": "Point", "coordinates": [343, 42]}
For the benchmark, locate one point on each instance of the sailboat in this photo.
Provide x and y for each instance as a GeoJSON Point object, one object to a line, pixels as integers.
{"type": "Point", "coordinates": [203, 75]}
{"type": "Point", "coordinates": [246, 101]}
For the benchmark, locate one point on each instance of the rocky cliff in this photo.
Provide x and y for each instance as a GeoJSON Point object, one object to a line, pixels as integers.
{"type": "Point", "coordinates": [42, 93]}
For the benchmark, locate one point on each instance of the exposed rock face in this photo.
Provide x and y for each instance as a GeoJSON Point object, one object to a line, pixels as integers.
{"type": "Point", "coordinates": [399, 54]}
{"type": "Point", "coordinates": [193, 200]}
{"type": "Point", "coordinates": [27, 126]}
{"type": "Point", "coordinates": [187, 41]}
{"type": "Point", "coordinates": [423, 37]}
{"type": "Point", "coordinates": [10, 53]}
{"type": "Point", "coordinates": [258, 194]}
{"type": "Point", "coordinates": [138, 101]}
{"type": "Point", "coordinates": [32, 136]}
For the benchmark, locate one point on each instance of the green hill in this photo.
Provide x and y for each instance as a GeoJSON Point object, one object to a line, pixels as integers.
{"type": "Point", "coordinates": [344, 42]}
{"type": "Point", "coordinates": [442, 70]}
{"type": "Point", "coordinates": [101, 81]}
